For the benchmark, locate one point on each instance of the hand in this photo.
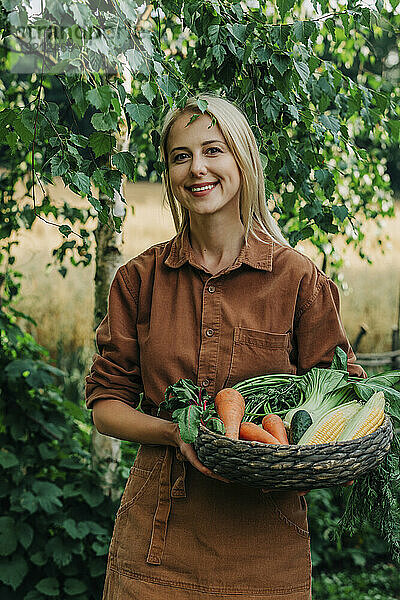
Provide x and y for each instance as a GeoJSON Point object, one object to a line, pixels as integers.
{"type": "Point", "coordinates": [190, 455]}
{"type": "Point", "coordinates": [348, 483]}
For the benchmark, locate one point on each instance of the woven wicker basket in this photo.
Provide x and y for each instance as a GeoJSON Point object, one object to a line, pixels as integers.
{"type": "Point", "coordinates": [292, 467]}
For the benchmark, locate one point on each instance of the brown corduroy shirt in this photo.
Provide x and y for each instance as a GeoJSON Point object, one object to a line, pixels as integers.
{"type": "Point", "coordinates": [271, 311]}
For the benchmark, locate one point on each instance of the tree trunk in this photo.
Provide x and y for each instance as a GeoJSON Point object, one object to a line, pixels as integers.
{"type": "Point", "coordinates": [106, 449]}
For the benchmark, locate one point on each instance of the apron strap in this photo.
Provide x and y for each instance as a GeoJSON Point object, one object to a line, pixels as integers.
{"type": "Point", "coordinates": [165, 493]}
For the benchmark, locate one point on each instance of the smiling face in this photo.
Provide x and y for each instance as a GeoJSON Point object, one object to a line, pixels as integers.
{"type": "Point", "coordinates": [203, 172]}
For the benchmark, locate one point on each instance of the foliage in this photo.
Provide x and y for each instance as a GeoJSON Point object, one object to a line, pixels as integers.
{"type": "Point", "coordinates": [379, 582]}
{"type": "Point", "coordinates": [330, 554]}
{"type": "Point", "coordinates": [56, 520]}
{"type": "Point", "coordinates": [324, 113]}
{"type": "Point", "coordinates": [191, 405]}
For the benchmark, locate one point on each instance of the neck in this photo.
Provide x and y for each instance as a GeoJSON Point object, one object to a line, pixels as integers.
{"type": "Point", "coordinates": [215, 241]}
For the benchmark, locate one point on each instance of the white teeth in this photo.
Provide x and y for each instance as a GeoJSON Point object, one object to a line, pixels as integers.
{"type": "Point", "coordinates": [205, 187]}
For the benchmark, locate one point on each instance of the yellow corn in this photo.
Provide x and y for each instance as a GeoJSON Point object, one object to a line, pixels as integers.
{"type": "Point", "coordinates": [331, 425]}
{"type": "Point", "coordinates": [367, 420]}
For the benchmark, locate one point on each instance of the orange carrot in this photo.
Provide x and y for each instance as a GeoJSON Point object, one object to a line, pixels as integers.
{"type": "Point", "coordinates": [275, 426]}
{"type": "Point", "coordinates": [251, 431]}
{"type": "Point", "coordinates": [230, 406]}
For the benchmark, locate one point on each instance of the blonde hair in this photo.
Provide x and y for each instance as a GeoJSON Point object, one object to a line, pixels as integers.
{"type": "Point", "coordinates": [242, 143]}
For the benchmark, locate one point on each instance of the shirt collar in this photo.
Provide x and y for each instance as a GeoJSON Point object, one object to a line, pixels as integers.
{"type": "Point", "coordinates": [256, 254]}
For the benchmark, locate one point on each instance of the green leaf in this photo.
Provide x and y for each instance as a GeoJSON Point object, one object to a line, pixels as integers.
{"type": "Point", "coordinates": [76, 530]}
{"type": "Point", "coordinates": [394, 129]}
{"type": "Point", "coordinates": [188, 420]}
{"type": "Point", "coordinates": [8, 536]}
{"type": "Point", "coordinates": [29, 502]}
{"type": "Point", "coordinates": [388, 379]}
{"type": "Point", "coordinates": [8, 459]}
{"type": "Point", "coordinates": [105, 121]}
{"type": "Point", "coordinates": [303, 30]}
{"type": "Point", "coordinates": [340, 212]}
{"type": "Point", "coordinates": [59, 166]}
{"type": "Point", "coordinates": [303, 70]}
{"type": "Point", "coordinates": [280, 62]}
{"type": "Point", "coordinates": [39, 558]}
{"type": "Point", "coordinates": [100, 97]}
{"type": "Point", "coordinates": [140, 113]}
{"type": "Point", "coordinates": [330, 25]}
{"type": "Point", "coordinates": [213, 33]}
{"type": "Point", "coordinates": [366, 388]}
{"type": "Point", "coordinates": [82, 182]}
{"type": "Point", "coordinates": [126, 163]}
{"type": "Point", "coordinates": [48, 495]}
{"type": "Point", "coordinates": [271, 108]}
{"type": "Point", "coordinates": [25, 135]}
{"type": "Point", "coordinates": [330, 122]}
{"type": "Point", "coordinates": [202, 104]}
{"type": "Point", "coordinates": [239, 31]}
{"type": "Point", "coordinates": [48, 586]}
{"type": "Point", "coordinates": [284, 6]}
{"type": "Point", "coordinates": [92, 495]}
{"type": "Point", "coordinates": [12, 139]}
{"type": "Point", "coordinates": [149, 91]}
{"type": "Point", "coordinates": [339, 361]}
{"type": "Point", "coordinates": [219, 53]}
{"type": "Point", "coordinates": [60, 552]}
{"type": "Point", "coordinates": [72, 587]}
{"type": "Point", "coordinates": [325, 180]}
{"type": "Point", "coordinates": [24, 534]}
{"type": "Point", "coordinates": [13, 571]}
{"type": "Point", "coordinates": [101, 143]}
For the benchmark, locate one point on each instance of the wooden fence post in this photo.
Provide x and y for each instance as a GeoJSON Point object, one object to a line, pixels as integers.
{"type": "Point", "coordinates": [395, 346]}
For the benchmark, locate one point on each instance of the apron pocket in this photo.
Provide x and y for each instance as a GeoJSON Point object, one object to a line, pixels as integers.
{"type": "Point", "coordinates": [135, 486]}
{"type": "Point", "coordinates": [257, 353]}
{"type": "Point", "coordinates": [291, 509]}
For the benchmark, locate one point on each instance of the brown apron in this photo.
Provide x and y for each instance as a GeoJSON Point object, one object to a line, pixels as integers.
{"type": "Point", "coordinates": [181, 535]}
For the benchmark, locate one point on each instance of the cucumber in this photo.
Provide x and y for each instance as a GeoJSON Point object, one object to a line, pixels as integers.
{"type": "Point", "coordinates": [301, 421]}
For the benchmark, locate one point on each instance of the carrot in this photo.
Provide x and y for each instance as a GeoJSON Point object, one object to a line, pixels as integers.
{"type": "Point", "coordinates": [230, 407]}
{"type": "Point", "coordinates": [275, 426]}
{"type": "Point", "coordinates": [251, 431]}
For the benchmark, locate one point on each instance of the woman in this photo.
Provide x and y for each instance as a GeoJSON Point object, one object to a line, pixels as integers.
{"type": "Point", "coordinates": [224, 300]}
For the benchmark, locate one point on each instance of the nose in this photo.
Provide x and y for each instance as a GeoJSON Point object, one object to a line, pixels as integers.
{"type": "Point", "coordinates": [198, 166]}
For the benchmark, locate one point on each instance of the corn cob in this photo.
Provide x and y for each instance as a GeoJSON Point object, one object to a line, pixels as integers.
{"type": "Point", "coordinates": [330, 426]}
{"type": "Point", "coordinates": [367, 420]}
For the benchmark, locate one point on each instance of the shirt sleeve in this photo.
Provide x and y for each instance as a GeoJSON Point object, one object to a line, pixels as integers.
{"type": "Point", "coordinates": [115, 372]}
{"type": "Point", "coordinates": [319, 328]}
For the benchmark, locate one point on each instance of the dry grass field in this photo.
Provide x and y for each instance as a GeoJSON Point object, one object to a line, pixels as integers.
{"type": "Point", "coordinates": [63, 307]}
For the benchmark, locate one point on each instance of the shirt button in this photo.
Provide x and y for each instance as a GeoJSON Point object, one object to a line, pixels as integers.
{"type": "Point", "coordinates": [206, 382]}
{"type": "Point", "coordinates": [209, 332]}
{"type": "Point", "coordinates": [211, 289]}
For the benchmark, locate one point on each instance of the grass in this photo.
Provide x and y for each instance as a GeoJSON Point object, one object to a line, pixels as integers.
{"type": "Point", "coordinates": [63, 308]}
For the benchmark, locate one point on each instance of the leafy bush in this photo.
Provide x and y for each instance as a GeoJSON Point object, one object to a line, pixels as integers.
{"type": "Point", "coordinates": [57, 521]}
{"type": "Point", "coordinates": [380, 582]}
{"type": "Point", "coordinates": [325, 507]}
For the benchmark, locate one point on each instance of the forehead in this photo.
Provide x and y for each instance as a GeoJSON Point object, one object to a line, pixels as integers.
{"type": "Point", "coordinates": [199, 130]}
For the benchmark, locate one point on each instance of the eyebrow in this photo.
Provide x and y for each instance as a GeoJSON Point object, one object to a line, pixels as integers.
{"type": "Point", "coordinates": [203, 144]}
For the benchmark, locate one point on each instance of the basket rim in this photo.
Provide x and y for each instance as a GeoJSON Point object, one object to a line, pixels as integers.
{"type": "Point", "coordinates": [253, 443]}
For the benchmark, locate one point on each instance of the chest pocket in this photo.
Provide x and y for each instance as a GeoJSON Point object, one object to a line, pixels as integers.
{"type": "Point", "coordinates": [258, 353]}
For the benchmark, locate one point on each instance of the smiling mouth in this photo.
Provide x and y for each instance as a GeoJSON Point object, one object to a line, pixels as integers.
{"type": "Point", "coordinates": [202, 188]}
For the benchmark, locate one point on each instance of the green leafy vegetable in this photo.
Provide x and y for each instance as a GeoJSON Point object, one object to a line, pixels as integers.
{"type": "Point", "coordinates": [191, 405]}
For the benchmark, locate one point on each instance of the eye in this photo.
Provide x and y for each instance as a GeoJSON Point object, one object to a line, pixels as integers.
{"type": "Point", "coordinates": [213, 150]}
{"type": "Point", "coordinates": [179, 157]}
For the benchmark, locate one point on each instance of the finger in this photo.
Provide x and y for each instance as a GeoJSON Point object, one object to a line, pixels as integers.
{"type": "Point", "coordinates": [348, 483]}
{"type": "Point", "coordinates": [191, 456]}
{"type": "Point", "coordinates": [303, 493]}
